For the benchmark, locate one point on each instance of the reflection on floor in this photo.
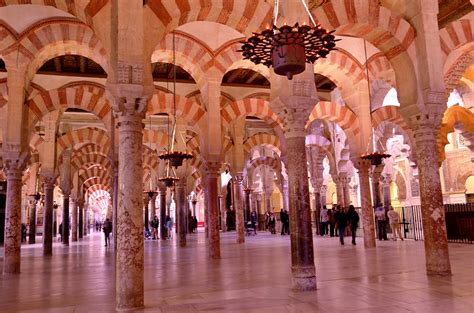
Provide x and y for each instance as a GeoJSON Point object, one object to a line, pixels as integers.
{"type": "Point", "coordinates": [252, 277]}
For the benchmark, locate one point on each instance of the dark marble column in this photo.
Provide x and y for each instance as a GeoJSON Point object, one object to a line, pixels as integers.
{"type": "Point", "coordinates": [302, 255]}
{"type": "Point", "coordinates": [65, 230]}
{"type": "Point", "coordinates": [432, 209]}
{"type": "Point", "coordinates": [73, 210]}
{"type": "Point", "coordinates": [12, 244]}
{"type": "Point", "coordinates": [181, 210]}
{"type": "Point", "coordinates": [375, 175]}
{"type": "Point", "coordinates": [212, 176]}
{"type": "Point", "coordinates": [146, 201]}
{"type": "Point", "coordinates": [80, 205]}
{"type": "Point", "coordinates": [162, 193]}
{"type": "Point", "coordinates": [386, 180]}
{"type": "Point", "coordinates": [48, 215]}
{"type": "Point", "coordinates": [368, 221]}
{"type": "Point", "coordinates": [238, 207]}
{"type": "Point", "coordinates": [32, 234]}
{"type": "Point", "coordinates": [247, 204]}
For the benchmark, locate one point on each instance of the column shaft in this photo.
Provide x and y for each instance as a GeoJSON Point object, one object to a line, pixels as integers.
{"type": "Point", "coordinates": [302, 256]}
{"type": "Point", "coordinates": [81, 220]}
{"type": "Point", "coordinates": [73, 219]}
{"type": "Point", "coordinates": [366, 204]}
{"type": "Point", "coordinates": [181, 210]}
{"type": "Point", "coordinates": [239, 208]}
{"type": "Point", "coordinates": [163, 233]}
{"type": "Point", "coordinates": [212, 176]}
{"type": "Point", "coordinates": [432, 209]}
{"type": "Point", "coordinates": [130, 255]}
{"type": "Point", "coordinates": [12, 244]}
{"type": "Point", "coordinates": [65, 230]}
{"type": "Point", "coordinates": [32, 234]}
{"type": "Point", "coordinates": [48, 217]}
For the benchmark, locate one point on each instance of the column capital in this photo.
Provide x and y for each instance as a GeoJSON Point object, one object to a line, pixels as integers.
{"type": "Point", "coordinates": [49, 177]}
{"type": "Point", "coordinates": [238, 178]}
{"type": "Point", "coordinates": [15, 163]}
{"type": "Point", "coordinates": [212, 167]}
{"type": "Point", "coordinates": [362, 166]}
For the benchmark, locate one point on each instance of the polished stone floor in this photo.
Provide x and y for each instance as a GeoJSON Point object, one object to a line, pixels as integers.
{"type": "Point", "coordinates": [253, 277]}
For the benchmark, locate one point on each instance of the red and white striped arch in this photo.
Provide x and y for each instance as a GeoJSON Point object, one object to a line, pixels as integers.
{"type": "Point", "coordinates": [94, 171]}
{"type": "Point", "coordinates": [389, 113]}
{"type": "Point", "coordinates": [192, 112]}
{"type": "Point", "coordinates": [8, 37]}
{"type": "Point", "coordinates": [250, 107]}
{"type": "Point", "coordinates": [342, 116]}
{"type": "Point", "coordinates": [455, 35]}
{"type": "Point", "coordinates": [87, 96]}
{"type": "Point", "coordinates": [453, 74]}
{"type": "Point", "coordinates": [343, 67]}
{"type": "Point", "coordinates": [246, 17]}
{"type": "Point", "coordinates": [267, 161]}
{"type": "Point", "coordinates": [150, 159]}
{"type": "Point", "coordinates": [88, 160]}
{"type": "Point", "coordinates": [102, 183]}
{"type": "Point", "coordinates": [83, 10]}
{"type": "Point", "coordinates": [81, 136]}
{"type": "Point", "coordinates": [98, 187]}
{"type": "Point", "coordinates": [380, 68]}
{"type": "Point", "coordinates": [262, 139]}
{"type": "Point", "coordinates": [90, 148]}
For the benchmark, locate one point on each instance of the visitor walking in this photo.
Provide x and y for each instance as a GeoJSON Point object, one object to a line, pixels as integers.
{"type": "Point", "coordinates": [331, 222]}
{"type": "Point", "coordinates": [381, 222]}
{"type": "Point", "coordinates": [272, 223]}
{"type": "Point", "coordinates": [341, 223]}
{"type": "Point", "coordinates": [253, 221]}
{"type": "Point", "coordinates": [353, 219]}
{"type": "Point", "coordinates": [285, 222]}
{"type": "Point", "coordinates": [169, 226]}
{"type": "Point", "coordinates": [324, 217]}
{"type": "Point", "coordinates": [154, 227]}
{"type": "Point", "coordinates": [394, 220]}
{"type": "Point", "coordinates": [107, 228]}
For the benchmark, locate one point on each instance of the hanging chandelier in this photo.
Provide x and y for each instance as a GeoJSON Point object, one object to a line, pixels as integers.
{"type": "Point", "coordinates": [173, 158]}
{"type": "Point", "coordinates": [289, 48]}
{"type": "Point", "coordinates": [375, 157]}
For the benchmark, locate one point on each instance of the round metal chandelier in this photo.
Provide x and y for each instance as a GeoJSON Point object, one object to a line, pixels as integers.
{"type": "Point", "coordinates": [289, 48]}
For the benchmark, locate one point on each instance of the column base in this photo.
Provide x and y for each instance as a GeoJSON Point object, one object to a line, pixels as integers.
{"type": "Point", "coordinates": [129, 309]}
{"type": "Point", "coordinates": [303, 278]}
{"type": "Point", "coordinates": [11, 269]}
{"type": "Point", "coordinates": [444, 273]}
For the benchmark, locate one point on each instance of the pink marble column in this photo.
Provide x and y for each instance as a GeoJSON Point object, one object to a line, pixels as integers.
{"type": "Point", "coordinates": [65, 230]}
{"type": "Point", "coordinates": [346, 195]}
{"type": "Point", "coordinates": [206, 203]}
{"type": "Point", "coordinates": [238, 207]}
{"type": "Point", "coordinates": [223, 213]}
{"type": "Point", "coordinates": [181, 210]}
{"type": "Point", "coordinates": [129, 277]}
{"type": "Point", "coordinates": [12, 245]}
{"type": "Point", "coordinates": [32, 234]}
{"type": "Point", "coordinates": [73, 209]}
{"type": "Point", "coordinates": [212, 175]}
{"type": "Point", "coordinates": [339, 190]}
{"type": "Point", "coordinates": [432, 209]}
{"type": "Point", "coordinates": [363, 167]}
{"type": "Point", "coordinates": [48, 215]}
{"type": "Point", "coordinates": [162, 193]}
{"type": "Point", "coordinates": [302, 255]}
{"type": "Point", "coordinates": [375, 175]}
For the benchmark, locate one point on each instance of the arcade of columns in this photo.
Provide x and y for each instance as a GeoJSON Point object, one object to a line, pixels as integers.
{"type": "Point", "coordinates": [116, 163]}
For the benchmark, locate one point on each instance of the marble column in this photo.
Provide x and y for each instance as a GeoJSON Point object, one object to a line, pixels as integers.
{"type": "Point", "coordinates": [146, 213]}
{"type": "Point", "coordinates": [206, 203]}
{"type": "Point", "coordinates": [368, 221]}
{"type": "Point", "coordinates": [247, 204]}
{"type": "Point", "coordinates": [286, 198]}
{"type": "Point", "coordinates": [80, 206]}
{"type": "Point", "coordinates": [86, 218]}
{"type": "Point", "coordinates": [65, 230]}
{"type": "Point", "coordinates": [212, 176]}
{"type": "Point", "coordinates": [48, 215]}
{"type": "Point", "coordinates": [129, 264]}
{"type": "Point", "coordinates": [432, 209]}
{"type": "Point", "coordinates": [181, 210]}
{"type": "Point", "coordinates": [223, 213]}
{"type": "Point", "coordinates": [193, 203]}
{"type": "Point", "coordinates": [115, 204]}
{"type": "Point", "coordinates": [12, 243]}
{"type": "Point", "coordinates": [324, 190]}
{"type": "Point", "coordinates": [32, 234]}
{"type": "Point", "coordinates": [302, 255]}
{"type": "Point", "coordinates": [238, 207]}
{"type": "Point", "coordinates": [162, 193]}
{"type": "Point", "coordinates": [73, 209]}
{"type": "Point", "coordinates": [339, 190]}
{"type": "Point", "coordinates": [152, 212]}
{"type": "Point", "coordinates": [375, 174]}
{"type": "Point", "coordinates": [346, 194]}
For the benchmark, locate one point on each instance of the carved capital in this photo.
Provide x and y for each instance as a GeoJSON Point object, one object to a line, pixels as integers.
{"type": "Point", "coordinates": [362, 166]}
{"type": "Point", "coordinates": [212, 167]}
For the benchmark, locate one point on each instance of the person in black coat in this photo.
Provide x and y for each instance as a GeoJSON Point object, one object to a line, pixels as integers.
{"type": "Point", "coordinates": [353, 219]}
{"type": "Point", "coordinates": [341, 221]}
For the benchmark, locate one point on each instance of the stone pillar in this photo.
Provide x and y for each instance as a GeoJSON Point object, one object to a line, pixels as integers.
{"type": "Point", "coordinates": [181, 210]}
{"type": "Point", "coordinates": [48, 214]}
{"type": "Point", "coordinates": [162, 193]}
{"type": "Point", "coordinates": [65, 230]}
{"type": "Point", "coordinates": [248, 208]}
{"type": "Point", "coordinates": [86, 218]}
{"type": "Point", "coordinates": [80, 206]}
{"type": "Point", "coordinates": [286, 198]}
{"type": "Point", "coordinates": [212, 176]}
{"type": "Point", "coordinates": [339, 190]}
{"type": "Point", "coordinates": [223, 212]}
{"type": "Point", "coordinates": [375, 175]}
{"type": "Point", "coordinates": [193, 203]}
{"type": "Point", "coordinates": [32, 234]}
{"type": "Point", "coordinates": [12, 244]}
{"type": "Point", "coordinates": [324, 190]}
{"type": "Point", "coordinates": [129, 276]}
{"type": "Point", "coordinates": [206, 203]}
{"type": "Point", "coordinates": [387, 198]}
{"type": "Point", "coordinates": [368, 221]}
{"type": "Point", "coordinates": [147, 202]}
{"type": "Point", "coordinates": [346, 193]}
{"type": "Point", "coordinates": [115, 204]}
{"type": "Point", "coordinates": [73, 209]}
{"type": "Point", "coordinates": [238, 207]}
{"type": "Point", "coordinates": [432, 209]}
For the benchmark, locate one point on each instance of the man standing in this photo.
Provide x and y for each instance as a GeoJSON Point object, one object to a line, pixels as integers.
{"type": "Point", "coordinates": [107, 228]}
{"type": "Point", "coordinates": [154, 227]}
{"type": "Point", "coordinates": [394, 219]}
{"type": "Point", "coordinates": [353, 219]}
{"type": "Point", "coordinates": [324, 220]}
{"type": "Point", "coordinates": [341, 222]}
{"type": "Point", "coordinates": [381, 222]}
